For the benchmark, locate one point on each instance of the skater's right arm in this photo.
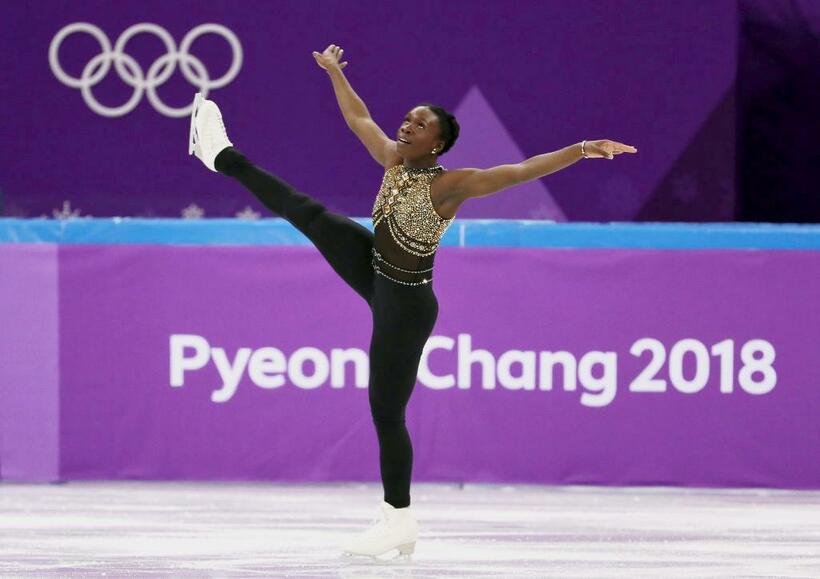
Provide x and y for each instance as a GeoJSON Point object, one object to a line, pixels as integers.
{"type": "Point", "coordinates": [356, 115]}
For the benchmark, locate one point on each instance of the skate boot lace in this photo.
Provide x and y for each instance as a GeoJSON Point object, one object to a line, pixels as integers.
{"type": "Point", "coordinates": [219, 132]}
{"type": "Point", "coordinates": [222, 127]}
{"type": "Point", "coordinates": [215, 133]}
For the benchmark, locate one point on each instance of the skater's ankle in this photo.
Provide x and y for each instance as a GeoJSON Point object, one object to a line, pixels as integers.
{"type": "Point", "coordinates": [225, 159]}
{"type": "Point", "coordinates": [398, 504]}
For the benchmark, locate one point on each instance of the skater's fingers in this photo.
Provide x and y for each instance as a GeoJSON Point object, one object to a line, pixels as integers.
{"type": "Point", "coordinates": [344, 64]}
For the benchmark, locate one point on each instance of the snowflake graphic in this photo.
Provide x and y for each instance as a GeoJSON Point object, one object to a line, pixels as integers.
{"type": "Point", "coordinates": [193, 211]}
{"type": "Point", "coordinates": [66, 212]}
{"type": "Point", "coordinates": [248, 214]}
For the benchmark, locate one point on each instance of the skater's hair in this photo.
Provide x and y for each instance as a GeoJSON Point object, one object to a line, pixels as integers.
{"type": "Point", "coordinates": [449, 126]}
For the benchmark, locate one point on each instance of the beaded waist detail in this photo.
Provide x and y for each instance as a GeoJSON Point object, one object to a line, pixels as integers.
{"type": "Point", "coordinates": [379, 262]}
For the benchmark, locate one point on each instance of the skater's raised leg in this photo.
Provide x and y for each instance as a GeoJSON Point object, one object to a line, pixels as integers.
{"type": "Point", "coordinates": [345, 244]}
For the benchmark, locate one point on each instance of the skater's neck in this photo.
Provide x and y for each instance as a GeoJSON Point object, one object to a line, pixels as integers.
{"type": "Point", "coordinates": [420, 163]}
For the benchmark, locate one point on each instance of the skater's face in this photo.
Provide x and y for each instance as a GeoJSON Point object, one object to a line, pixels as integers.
{"type": "Point", "coordinates": [419, 134]}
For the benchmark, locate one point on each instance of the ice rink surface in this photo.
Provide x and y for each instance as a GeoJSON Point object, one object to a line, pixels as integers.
{"type": "Point", "coordinates": [192, 529]}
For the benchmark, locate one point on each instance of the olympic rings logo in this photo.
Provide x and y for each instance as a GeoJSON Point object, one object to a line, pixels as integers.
{"type": "Point", "coordinates": [132, 74]}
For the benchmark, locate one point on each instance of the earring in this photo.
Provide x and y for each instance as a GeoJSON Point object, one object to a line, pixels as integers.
{"type": "Point", "coordinates": [434, 151]}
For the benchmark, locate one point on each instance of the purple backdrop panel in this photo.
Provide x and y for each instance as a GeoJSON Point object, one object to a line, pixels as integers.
{"type": "Point", "coordinates": [563, 366]}
{"type": "Point", "coordinates": [29, 378]}
{"type": "Point", "coordinates": [524, 78]}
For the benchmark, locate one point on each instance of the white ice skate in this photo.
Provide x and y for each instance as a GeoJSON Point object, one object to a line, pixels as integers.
{"type": "Point", "coordinates": [395, 529]}
{"type": "Point", "coordinates": [207, 136]}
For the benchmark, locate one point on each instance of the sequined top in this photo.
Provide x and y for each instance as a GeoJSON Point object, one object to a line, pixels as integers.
{"type": "Point", "coordinates": [405, 205]}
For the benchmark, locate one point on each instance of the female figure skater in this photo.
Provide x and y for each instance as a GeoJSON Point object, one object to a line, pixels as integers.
{"type": "Point", "coordinates": [391, 268]}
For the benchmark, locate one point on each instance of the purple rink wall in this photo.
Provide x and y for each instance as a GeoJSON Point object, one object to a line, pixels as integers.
{"type": "Point", "coordinates": [563, 354]}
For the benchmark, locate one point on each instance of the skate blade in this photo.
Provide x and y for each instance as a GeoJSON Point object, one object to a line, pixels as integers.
{"type": "Point", "coordinates": [380, 561]}
{"type": "Point", "coordinates": [192, 132]}
{"type": "Point", "coordinates": [391, 557]}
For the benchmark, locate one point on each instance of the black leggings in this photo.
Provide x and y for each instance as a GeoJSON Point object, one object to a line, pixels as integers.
{"type": "Point", "coordinates": [403, 316]}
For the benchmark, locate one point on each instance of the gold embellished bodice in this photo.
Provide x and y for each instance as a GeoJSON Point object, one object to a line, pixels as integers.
{"type": "Point", "coordinates": [404, 202]}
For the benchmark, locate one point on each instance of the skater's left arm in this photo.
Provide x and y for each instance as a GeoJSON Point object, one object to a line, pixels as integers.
{"type": "Point", "coordinates": [468, 183]}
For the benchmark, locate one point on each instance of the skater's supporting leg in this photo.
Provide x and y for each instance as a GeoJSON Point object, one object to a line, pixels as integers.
{"type": "Point", "coordinates": [402, 321]}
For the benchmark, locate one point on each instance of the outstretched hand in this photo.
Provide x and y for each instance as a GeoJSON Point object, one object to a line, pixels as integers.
{"type": "Point", "coordinates": [330, 58]}
{"type": "Point", "coordinates": [605, 149]}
